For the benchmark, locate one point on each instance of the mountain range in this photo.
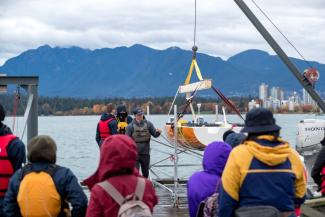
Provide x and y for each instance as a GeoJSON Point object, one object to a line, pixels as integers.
{"type": "Point", "coordinates": [140, 71]}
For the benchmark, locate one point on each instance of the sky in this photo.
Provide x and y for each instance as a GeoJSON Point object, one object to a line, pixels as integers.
{"type": "Point", "coordinates": [222, 29]}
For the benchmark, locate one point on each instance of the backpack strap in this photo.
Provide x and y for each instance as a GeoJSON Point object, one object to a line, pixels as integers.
{"type": "Point", "coordinates": [139, 190]}
{"type": "Point", "coordinates": [112, 191]}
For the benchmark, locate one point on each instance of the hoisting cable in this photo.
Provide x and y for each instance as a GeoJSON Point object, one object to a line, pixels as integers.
{"type": "Point", "coordinates": [194, 24]}
{"type": "Point", "coordinates": [277, 28]}
{"type": "Point", "coordinates": [225, 99]}
{"type": "Point", "coordinates": [16, 103]}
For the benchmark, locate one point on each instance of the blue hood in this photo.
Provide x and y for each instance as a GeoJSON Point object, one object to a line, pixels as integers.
{"type": "Point", "coordinates": [215, 157]}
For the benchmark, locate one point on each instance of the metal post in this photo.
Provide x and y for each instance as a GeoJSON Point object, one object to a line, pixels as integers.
{"type": "Point", "coordinates": [148, 111]}
{"type": "Point", "coordinates": [285, 59]}
{"type": "Point", "coordinates": [176, 158]}
{"type": "Point", "coordinates": [32, 122]}
{"type": "Point", "coordinates": [217, 113]}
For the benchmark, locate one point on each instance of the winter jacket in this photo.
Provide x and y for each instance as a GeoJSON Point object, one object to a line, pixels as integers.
{"type": "Point", "coordinates": [203, 184]}
{"type": "Point", "coordinates": [143, 147]}
{"type": "Point", "coordinates": [66, 184]}
{"type": "Point", "coordinates": [112, 125]}
{"type": "Point", "coordinates": [16, 153]}
{"type": "Point", "coordinates": [318, 166]}
{"type": "Point", "coordinates": [117, 165]}
{"type": "Point", "coordinates": [265, 171]}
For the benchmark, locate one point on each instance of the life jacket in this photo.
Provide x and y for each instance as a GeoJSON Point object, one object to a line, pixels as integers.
{"type": "Point", "coordinates": [38, 196]}
{"type": "Point", "coordinates": [121, 127]}
{"type": "Point", "coordinates": [141, 134]}
{"type": "Point", "coordinates": [104, 130]}
{"type": "Point", "coordinates": [322, 187]}
{"type": "Point", "coordinates": [6, 168]}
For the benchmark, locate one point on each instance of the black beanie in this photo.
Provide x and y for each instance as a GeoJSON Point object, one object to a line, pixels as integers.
{"type": "Point", "coordinates": [2, 113]}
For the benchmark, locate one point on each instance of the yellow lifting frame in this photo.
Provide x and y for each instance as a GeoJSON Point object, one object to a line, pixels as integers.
{"type": "Point", "coordinates": [197, 70]}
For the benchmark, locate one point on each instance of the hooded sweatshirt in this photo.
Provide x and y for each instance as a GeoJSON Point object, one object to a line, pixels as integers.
{"type": "Point", "coordinates": [203, 184]}
{"type": "Point", "coordinates": [266, 171]}
{"type": "Point", "coordinates": [117, 153]}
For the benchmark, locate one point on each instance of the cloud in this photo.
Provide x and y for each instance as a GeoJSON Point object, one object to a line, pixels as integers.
{"type": "Point", "coordinates": [222, 29]}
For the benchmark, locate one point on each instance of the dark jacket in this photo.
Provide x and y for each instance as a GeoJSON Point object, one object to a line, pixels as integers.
{"type": "Point", "coordinates": [66, 184]}
{"type": "Point", "coordinates": [112, 125]}
{"type": "Point", "coordinates": [143, 148]}
{"type": "Point", "coordinates": [117, 153]}
{"type": "Point", "coordinates": [16, 152]}
{"type": "Point", "coordinates": [214, 160]}
{"type": "Point", "coordinates": [318, 166]}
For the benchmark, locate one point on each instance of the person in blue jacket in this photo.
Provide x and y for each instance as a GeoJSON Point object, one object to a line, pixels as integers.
{"type": "Point", "coordinates": [27, 197]}
{"type": "Point", "coordinates": [263, 171]}
{"type": "Point", "coordinates": [12, 155]}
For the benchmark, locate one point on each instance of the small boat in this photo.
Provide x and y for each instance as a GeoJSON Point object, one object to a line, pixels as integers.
{"type": "Point", "coordinates": [310, 133]}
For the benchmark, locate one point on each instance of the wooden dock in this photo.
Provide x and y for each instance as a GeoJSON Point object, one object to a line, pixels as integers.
{"type": "Point", "coordinates": [166, 206]}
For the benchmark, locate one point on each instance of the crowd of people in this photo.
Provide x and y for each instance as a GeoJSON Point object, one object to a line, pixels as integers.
{"type": "Point", "coordinates": [251, 172]}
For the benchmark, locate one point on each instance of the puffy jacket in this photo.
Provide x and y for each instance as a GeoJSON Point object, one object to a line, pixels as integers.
{"type": "Point", "coordinates": [262, 172]}
{"type": "Point", "coordinates": [118, 153]}
{"type": "Point", "coordinates": [67, 186]}
{"type": "Point", "coordinates": [214, 160]}
{"type": "Point", "coordinates": [112, 125]}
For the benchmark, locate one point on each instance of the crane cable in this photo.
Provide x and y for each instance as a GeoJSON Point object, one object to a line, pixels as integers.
{"type": "Point", "coordinates": [194, 40]}
{"type": "Point", "coordinates": [277, 28]}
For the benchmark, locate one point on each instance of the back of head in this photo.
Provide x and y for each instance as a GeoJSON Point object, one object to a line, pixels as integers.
{"type": "Point", "coordinates": [41, 149]}
{"type": "Point", "coordinates": [215, 157]}
{"type": "Point", "coordinates": [235, 139]}
{"type": "Point", "coordinates": [118, 152]}
{"type": "Point", "coordinates": [260, 121]}
{"type": "Point", "coordinates": [2, 113]}
{"type": "Point", "coordinates": [110, 108]}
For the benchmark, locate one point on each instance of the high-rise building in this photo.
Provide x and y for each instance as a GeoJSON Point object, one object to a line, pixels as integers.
{"type": "Point", "coordinates": [263, 92]}
{"type": "Point", "coordinates": [306, 98]}
{"type": "Point", "coordinates": [277, 93]}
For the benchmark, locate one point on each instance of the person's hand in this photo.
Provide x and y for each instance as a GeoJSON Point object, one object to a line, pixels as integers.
{"type": "Point", "coordinates": [158, 130]}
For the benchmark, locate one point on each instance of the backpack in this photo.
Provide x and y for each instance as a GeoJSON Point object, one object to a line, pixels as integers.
{"type": "Point", "coordinates": [37, 195]}
{"type": "Point", "coordinates": [209, 207]}
{"type": "Point", "coordinates": [131, 205]}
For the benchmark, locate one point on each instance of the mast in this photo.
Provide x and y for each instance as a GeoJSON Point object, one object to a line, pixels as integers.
{"type": "Point", "coordinates": [283, 56]}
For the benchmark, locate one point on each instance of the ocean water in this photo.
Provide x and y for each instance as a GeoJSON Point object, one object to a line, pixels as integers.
{"type": "Point", "coordinates": [78, 150]}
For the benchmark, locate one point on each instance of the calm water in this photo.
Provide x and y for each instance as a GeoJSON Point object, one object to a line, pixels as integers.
{"type": "Point", "coordinates": [78, 150]}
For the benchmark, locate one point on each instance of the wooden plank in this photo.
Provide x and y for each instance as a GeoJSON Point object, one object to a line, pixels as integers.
{"type": "Point", "coordinates": [200, 85]}
{"type": "Point", "coordinates": [310, 212]}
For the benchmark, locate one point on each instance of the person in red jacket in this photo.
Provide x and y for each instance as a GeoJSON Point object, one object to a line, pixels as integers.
{"type": "Point", "coordinates": [118, 155]}
{"type": "Point", "coordinates": [12, 156]}
{"type": "Point", "coordinates": [107, 125]}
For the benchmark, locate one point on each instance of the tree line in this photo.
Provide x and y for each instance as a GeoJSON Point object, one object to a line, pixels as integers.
{"type": "Point", "coordinates": [81, 106]}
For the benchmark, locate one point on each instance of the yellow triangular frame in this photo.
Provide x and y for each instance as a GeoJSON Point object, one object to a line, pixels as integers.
{"type": "Point", "coordinates": [197, 70]}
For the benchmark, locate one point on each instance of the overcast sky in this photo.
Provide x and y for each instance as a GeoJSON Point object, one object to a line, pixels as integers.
{"type": "Point", "coordinates": [222, 29]}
